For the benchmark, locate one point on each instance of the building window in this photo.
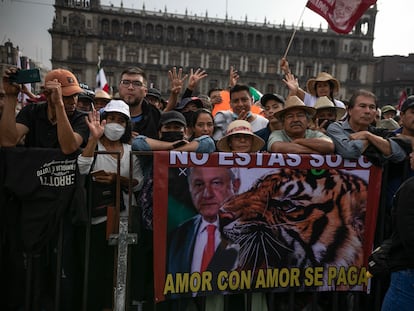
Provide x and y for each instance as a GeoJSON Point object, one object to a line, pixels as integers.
{"type": "Point", "coordinates": [259, 42]}
{"type": "Point", "coordinates": [210, 37]}
{"type": "Point", "coordinates": [105, 26]}
{"type": "Point", "coordinates": [159, 32]}
{"type": "Point", "coordinates": [214, 62]}
{"type": "Point", "coordinates": [149, 31]}
{"type": "Point", "coordinates": [180, 34]}
{"type": "Point", "coordinates": [65, 20]}
{"type": "Point", "coordinates": [200, 36]}
{"type": "Point", "coordinates": [128, 29]}
{"type": "Point", "coordinates": [137, 29]}
{"type": "Point", "coordinates": [115, 27]}
{"type": "Point", "coordinates": [308, 71]}
{"type": "Point", "coordinates": [270, 88]}
{"type": "Point", "coordinates": [153, 79]}
{"type": "Point", "coordinates": [230, 39]}
{"type": "Point", "coordinates": [353, 74]}
{"type": "Point", "coordinates": [170, 33]}
{"type": "Point", "coordinates": [271, 68]}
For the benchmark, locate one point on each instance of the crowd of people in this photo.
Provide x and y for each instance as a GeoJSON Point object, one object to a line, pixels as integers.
{"type": "Point", "coordinates": [309, 120]}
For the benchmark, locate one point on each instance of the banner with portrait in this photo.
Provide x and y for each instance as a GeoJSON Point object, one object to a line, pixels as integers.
{"type": "Point", "coordinates": [341, 15]}
{"type": "Point", "coordinates": [286, 221]}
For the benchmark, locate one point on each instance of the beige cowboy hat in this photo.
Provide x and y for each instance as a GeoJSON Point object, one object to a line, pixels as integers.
{"type": "Point", "coordinates": [324, 102]}
{"type": "Point", "coordinates": [321, 77]}
{"type": "Point", "coordinates": [294, 102]}
{"type": "Point", "coordinates": [239, 127]}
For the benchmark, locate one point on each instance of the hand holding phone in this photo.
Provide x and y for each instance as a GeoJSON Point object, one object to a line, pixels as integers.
{"type": "Point", "coordinates": [25, 76]}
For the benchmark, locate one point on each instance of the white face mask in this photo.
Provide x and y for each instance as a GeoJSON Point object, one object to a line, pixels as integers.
{"type": "Point", "coordinates": [114, 131]}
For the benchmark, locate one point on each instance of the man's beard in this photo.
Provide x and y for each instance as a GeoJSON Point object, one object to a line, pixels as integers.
{"type": "Point", "coordinates": [133, 102]}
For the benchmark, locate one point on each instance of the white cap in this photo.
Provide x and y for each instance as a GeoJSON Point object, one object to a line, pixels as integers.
{"type": "Point", "coordinates": [117, 105]}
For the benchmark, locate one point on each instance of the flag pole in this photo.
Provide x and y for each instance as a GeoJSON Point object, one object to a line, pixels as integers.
{"type": "Point", "coordinates": [294, 32]}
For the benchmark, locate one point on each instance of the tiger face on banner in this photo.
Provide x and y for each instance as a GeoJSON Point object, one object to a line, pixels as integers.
{"type": "Point", "coordinates": [308, 225]}
{"type": "Point", "coordinates": [298, 218]}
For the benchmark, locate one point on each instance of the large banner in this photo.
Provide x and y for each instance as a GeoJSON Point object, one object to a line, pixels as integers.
{"type": "Point", "coordinates": [280, 221]}
{"type": "Point", "coordinates": [341, 15]}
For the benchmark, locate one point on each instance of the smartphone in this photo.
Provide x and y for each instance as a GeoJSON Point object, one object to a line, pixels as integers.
{"type": "Point", "coordinates": [24, 76]}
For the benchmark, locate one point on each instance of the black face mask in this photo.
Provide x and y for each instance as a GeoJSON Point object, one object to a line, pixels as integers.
{"type": "Point", "coordinates": [189, 116]}
{"type": "Point", "coordinates": [172, 136]}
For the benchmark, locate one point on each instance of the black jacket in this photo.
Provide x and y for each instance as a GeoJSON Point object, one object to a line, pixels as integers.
{"type": "Point", "coordinates": [148, 125]}
{"type": "Point", "coordinates": [402, 249]}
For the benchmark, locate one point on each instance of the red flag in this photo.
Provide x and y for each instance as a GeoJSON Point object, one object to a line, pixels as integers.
{"type": "Point", "coordinates": [101, 82]}
{"type": "Point", "coordinates": [402, 99]}
{"type": "Point", "coordinates": [341, 15]}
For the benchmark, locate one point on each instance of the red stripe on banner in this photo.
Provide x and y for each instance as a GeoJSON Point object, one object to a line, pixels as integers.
{"type": "Point", "coordinates": [160, 209]}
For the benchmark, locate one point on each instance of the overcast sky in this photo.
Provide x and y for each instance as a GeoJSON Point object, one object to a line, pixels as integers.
{"type": "Point", "coordinates": [25, 22]}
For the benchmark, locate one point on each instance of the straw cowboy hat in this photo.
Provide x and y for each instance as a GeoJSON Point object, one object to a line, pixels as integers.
{"type": "Point", "coordinates": [239, 127]}
{"type": "Point", "coordinates": [294, 102]}
{"type": "Point", "coordinates": [321, 77]}
{"type": "Point", "coordinates": [324, 102]}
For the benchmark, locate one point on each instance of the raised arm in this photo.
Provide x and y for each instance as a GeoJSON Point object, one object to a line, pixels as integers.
{"type": "Point", "coordinates": [10, 131]}
{"type": "Point", "coordinates": [233, 77]}
{"type": "Point", "coordinates": [69, 141]}
{"type": "Point", "coordinates": [195, 78]}
{"type": "Point", "coordinates": [176, 85]}
{"type": "Point", "coordinates": [290, 81]}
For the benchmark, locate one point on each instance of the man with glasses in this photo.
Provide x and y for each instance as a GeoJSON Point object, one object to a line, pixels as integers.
{"type": "Point", "coordinates": [54, 124]}
{"type": "Point", "coordinates": [144, 116]}
{"type": "Point", "coordinates": [296, 137]}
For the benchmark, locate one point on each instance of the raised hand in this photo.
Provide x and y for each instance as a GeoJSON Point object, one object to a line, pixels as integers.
{"type": "Point", "coordinates": [292, 83]}
{"type": "Point", "coordinates": [54, 90]}
{"type": "Point", "coordinates": [12, 89]}
{"type": "Point", "coordinates": [176, 80]}
{"type": "Point", "coordinates": [96, 128]}
{"type": "Point", "coordinates": [195, 77]}
{"type": "Point", "coordinates": [233, 77]}
{"type": "Point", "coordinates": [284, 66]}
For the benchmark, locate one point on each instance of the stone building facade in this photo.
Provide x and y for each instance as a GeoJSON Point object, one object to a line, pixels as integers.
{"type": "Point", "coordinates": [393, 75]}
{"type": "Point", "coordinates": [157, 41]}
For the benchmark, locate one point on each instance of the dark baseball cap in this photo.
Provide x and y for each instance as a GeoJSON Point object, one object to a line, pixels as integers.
{"type": "Point", "coordinates": [270, 96]}
{"type": "Point", "coordinates": [154, 92]}
{"type": "Point", "coordinates": [172, 116]}
{"type": "Point", "coordinates": [408, 103]}
{"type": "Point", "coordinates": [186, 100]}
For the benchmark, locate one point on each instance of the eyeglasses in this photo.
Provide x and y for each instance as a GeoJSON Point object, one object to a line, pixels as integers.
{"type": "Point", "coordinates": [135, 83]}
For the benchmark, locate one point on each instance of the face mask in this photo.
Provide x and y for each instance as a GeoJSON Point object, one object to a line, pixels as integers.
{"type": "Point", "coordinates": [114, 131]}
{"type": "Point", "coordinates": [236, 116]}
{"type": "Point", "coordinates": [171, 136]}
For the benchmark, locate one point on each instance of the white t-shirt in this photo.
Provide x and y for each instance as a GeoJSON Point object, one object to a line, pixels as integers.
{"type": "Point", "coordinates": [259, 123]}
{"type": "Point", "coordinates": [108, 163]}
{"type": "Point", "coordinates": [310, 101]}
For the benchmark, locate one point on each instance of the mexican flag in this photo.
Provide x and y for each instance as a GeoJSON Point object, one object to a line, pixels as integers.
{"type": "Point", "coordinates": [101, 82]}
